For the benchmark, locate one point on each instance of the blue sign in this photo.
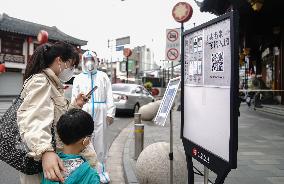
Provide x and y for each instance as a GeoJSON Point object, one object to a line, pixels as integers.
{"type": "Point", "coordinates": [119, 48]}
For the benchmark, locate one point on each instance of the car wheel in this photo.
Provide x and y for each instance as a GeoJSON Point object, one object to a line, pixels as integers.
{"type": "Point", "coordinates": [136, 108]}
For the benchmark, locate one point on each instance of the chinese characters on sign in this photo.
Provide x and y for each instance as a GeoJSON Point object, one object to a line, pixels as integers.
{"type": "Point", "coordinates": [207, 56]}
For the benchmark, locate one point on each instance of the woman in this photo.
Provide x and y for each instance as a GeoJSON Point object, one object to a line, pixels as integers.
{"type": "Point", "coordinates": [43, 105]}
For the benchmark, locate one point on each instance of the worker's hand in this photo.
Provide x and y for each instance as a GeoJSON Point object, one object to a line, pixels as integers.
{"type": "Point", "coordinates": [109, 120]}
{"type": "Point", "coordinates": [52, 166]}
{"type": "Point", "coordinates": [81, 100]}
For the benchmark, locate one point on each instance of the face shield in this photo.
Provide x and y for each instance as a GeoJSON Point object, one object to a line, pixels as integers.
{"type": "Point", "coordinates": [90, 62]}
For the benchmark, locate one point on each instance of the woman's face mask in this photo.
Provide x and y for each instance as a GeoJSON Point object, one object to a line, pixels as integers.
{"type": "Point", "coordinates": [66, 74]}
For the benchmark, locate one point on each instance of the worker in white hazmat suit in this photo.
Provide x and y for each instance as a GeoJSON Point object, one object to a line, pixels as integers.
{"type": "Point", "coordinates": [100, 105]}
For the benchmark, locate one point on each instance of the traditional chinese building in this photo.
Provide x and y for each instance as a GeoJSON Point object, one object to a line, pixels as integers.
{"type": "Point", "coordinates": [18, 40]}
{"type": "Point", "coordinates": [261, 44]}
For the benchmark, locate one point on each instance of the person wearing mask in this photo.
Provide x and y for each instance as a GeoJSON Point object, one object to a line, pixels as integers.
{"type": "Point", "coordinates": [43, 104]}
{"type": "Point", "coordinates": [75, 129]}
{"type": "Point", "coordinates": [100, 106]}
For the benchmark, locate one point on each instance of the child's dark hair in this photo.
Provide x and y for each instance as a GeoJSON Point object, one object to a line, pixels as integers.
{"type": "Point", "coordinates": [45, 54]}
{"type": "Point", "coordinates": [74, 125]}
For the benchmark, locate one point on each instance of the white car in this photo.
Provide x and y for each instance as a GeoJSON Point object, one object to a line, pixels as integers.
{"type": "Point", "coordinates": [130, 97]}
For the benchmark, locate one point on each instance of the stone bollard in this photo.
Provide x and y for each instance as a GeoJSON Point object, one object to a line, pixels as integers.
{"type": "Point", "coordinates": [149, 111]}
{"type": "Point", "coordinates": [153, 165]}
{"type": "Point", "coordinates": [139, 140]}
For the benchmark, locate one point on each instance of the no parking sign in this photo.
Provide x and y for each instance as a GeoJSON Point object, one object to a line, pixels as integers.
{"type": "Point", "coordinates": [173, 45]}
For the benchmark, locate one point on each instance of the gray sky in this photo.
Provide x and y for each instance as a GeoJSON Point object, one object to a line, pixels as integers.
{"type": "Point", "coordinates": [96, 21]}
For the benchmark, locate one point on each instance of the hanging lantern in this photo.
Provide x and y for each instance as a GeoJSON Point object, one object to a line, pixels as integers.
{"type": "Point", "coordinates": [42, 37]}
{"type": "Point", "coordinates": [2, 68]}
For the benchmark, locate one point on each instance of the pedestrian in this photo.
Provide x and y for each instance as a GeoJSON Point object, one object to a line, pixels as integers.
{"type": "Point", "coordinates": [75, 128]}
{"type": "Point", "coordinates": [100, 106]}
{"type": "Point", "coordinates": [44, 103]}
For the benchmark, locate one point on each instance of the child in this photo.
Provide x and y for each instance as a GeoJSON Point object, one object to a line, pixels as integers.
{"type": "Point", "coordinates": [75, 129]}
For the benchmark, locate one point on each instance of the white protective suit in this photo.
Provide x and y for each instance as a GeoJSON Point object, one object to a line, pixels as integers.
{"type": "Point", "coordinates": [99, 106]}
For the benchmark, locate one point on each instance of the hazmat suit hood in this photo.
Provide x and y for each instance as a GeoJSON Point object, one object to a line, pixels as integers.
{"type": "Point", "coordinates": [89, 62]}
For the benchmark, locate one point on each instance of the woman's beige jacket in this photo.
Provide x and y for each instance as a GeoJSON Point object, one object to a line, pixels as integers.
{"type": "Point", "coordinates": [43, 104]}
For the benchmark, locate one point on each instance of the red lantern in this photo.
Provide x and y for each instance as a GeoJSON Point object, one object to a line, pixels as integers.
{"type": "Point", "coordinates": [2, 68]}
{"type": "Point", "coordinates": [42, 37]}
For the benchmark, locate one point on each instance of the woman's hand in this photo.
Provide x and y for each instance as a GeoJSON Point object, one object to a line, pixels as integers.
{"type": "Point", "coordinates": [81, 100]}
{"type": "Point", "coordinates": [52, 166]}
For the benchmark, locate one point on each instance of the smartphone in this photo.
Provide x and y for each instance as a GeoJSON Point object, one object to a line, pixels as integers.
{"type": "Point", "coordinates": [88, 95]}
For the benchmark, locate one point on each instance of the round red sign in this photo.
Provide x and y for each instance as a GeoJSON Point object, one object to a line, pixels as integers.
{"type": "Point", "coordinates": [172, 35]}
{"type": "Point", "coordinates": [127, 52]}
{"type": "Point", "coordinates": [172, 54]}
{"type": "Point", "coordinates": [182, 12]}
{"type": "Point", "coordinates": [42, 37]}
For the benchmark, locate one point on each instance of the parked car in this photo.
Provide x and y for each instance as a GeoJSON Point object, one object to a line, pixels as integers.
{"type": "Point", "coordinates": [130, 97]}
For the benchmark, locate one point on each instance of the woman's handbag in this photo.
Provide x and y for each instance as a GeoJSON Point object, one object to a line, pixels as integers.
{"type": "Point", "coordinates": [13, 150]}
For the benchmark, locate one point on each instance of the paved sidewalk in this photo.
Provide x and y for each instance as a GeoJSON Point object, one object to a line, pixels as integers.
{"type": "Point", "coordinates": [114, 162]}
{"type": "Point", "coordinates": [260, 155]}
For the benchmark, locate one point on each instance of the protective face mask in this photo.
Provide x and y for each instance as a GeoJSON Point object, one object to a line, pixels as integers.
{"type": "Point", "coordinates": [91, 66]}
{"type": "Point", "coordinates": [65, 74]}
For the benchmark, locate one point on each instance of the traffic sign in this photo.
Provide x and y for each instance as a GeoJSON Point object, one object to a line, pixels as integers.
{"type": "Point", "coordinates": [127, 52]}
{"type": "Point", "coordinates": [172, 35]}
{"type": "Point", "coordinates": [182, 12]}
{"type": "Point", "coordinates": [172, 52]}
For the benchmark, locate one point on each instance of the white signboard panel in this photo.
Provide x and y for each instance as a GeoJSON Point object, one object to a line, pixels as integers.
{"type": "Point", "coordinates": [167, 101]}
{"type": "Point", "coordinates": [207, 118]}
{"type": "Point", "coordinates": [207, 76]}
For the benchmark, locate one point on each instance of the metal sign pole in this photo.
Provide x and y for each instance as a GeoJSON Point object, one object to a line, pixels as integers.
{"type": "Point", "coordinates": [171, 137]}
{"type": "Point", "coordinates": [126, 69]}
{"type": "Point", "coordinates": [171, 155]}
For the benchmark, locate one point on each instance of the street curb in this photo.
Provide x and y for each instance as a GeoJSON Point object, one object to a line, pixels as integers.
{"type": "Point", "coordinates": [129, 175]}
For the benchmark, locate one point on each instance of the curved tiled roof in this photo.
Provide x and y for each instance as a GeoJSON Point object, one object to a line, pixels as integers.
{"type": "Point", "coordinates": [11, 24]}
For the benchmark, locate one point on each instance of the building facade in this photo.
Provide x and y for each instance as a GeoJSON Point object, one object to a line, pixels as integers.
{"type": "Point", "coordinates": [18, 40]}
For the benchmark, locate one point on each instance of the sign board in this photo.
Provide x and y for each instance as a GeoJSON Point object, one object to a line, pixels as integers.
{"type": "Point", "coordinates": [131, 66]}
{"type": "Point", "coordinates": [167, 101]}
{"type": "Point", "coordinates": [173, 45]}
{"type": "Point", "coordinates": [122, 41]}
{"type": "Point", "coordinates": [119, 48]}
{"type": "Point", "coordinates": [210, 92]}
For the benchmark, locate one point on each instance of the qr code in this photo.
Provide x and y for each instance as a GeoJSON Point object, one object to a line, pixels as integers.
{"type": "Point", "coordinates": [217, 62]}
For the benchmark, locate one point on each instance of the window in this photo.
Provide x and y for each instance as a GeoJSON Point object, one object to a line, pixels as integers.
{"type": "Point", "coordinates": [12, 45]}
